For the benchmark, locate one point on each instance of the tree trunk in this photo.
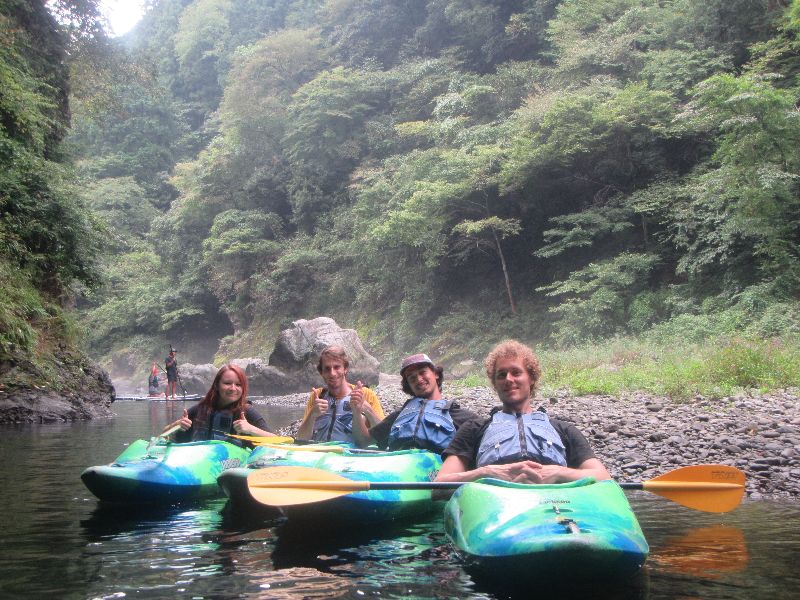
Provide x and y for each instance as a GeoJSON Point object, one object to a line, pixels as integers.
{"type": "Point", "coordinates": [505, 273]}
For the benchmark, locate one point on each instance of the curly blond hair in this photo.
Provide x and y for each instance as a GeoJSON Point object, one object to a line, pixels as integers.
{"type": "Point", "coordinates": [515, 349]}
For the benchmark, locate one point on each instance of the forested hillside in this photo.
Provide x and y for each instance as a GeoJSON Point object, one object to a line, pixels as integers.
{"type": "Point", "coordinates": [439, 174]}
{"type": "Point", "coordinates": [49, 240]}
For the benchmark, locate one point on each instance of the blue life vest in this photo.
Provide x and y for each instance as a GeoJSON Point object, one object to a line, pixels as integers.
{"type": "Point", "coordinates": [425, 424]}
{"type": "Point", "coordinates": [512, 438]}
{"type": "Point", "coordinates": [336, 423]}
{"type": "Point", "coordinates": [215, 428]}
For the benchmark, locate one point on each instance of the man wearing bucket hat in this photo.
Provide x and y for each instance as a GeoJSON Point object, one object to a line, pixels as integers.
{"type": "Point", "coordinates": [425, 421]}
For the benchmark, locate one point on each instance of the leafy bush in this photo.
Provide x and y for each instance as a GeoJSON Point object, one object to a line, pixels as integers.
{"type": "Point", "coordinates": [597, 298]}
{"type": "Point", "coordinates": [21, 307]}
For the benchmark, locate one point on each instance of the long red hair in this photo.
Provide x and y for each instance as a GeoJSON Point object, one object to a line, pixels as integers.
{"type": "Point", "coordinates": [209, 403]}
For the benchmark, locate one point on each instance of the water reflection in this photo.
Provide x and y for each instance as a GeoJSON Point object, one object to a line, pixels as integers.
{"type": "Point", "coordinates": [59, 541]}
{"type": "Point", "coordinates": [636, 588]}
{"type": "Point", "coordinates": [163, 412]}
{"type": "Point", "coordinates": [111, 520]}
{"type": "Point", "coordinates": [151, 551]}
{"type": "Point", "coordinates": [395, 560]}
{"type": "Point", "coordinates": [300, 582]}
{"type": "Point", "coordinates": [328, 547]}
{"type": "Point", "coordinates": [706, 552]}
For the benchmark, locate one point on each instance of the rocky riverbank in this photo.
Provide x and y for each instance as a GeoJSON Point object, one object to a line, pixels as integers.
{"type": "Point", "coordinates": [639, 436]}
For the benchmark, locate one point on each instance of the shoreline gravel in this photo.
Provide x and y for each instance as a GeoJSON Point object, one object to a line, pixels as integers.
{"type": "Point", "coordinates": [640, 436]}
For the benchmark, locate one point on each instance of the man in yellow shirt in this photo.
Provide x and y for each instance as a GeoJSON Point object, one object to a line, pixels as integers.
{"type": "Point", "coordinates": [328, 415]}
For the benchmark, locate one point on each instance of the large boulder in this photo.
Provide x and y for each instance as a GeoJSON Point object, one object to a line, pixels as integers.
{"type": "Point", "coordinates": [196, 379]}
{"type": "Point", "coordinates": [292, 365]}
{"type": "Point", "coordinates": [244, 362]}
{"type": "Point", "coordinates": [266, 380]}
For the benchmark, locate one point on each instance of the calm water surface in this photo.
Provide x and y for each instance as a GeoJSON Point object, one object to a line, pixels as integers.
{"type": "Point", "coordinates": [58, 541]}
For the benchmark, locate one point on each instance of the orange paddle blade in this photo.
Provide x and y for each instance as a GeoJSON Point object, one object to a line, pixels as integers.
{"type": "Point", "coordinates": [711, 488]}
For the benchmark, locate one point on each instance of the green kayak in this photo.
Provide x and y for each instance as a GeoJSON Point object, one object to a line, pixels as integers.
{"type": "Point", "coordinates": [368, 506]}
{"type": "Point", "coordinates": [164, 472]}
{"type": "Point", "coordinates": [583, 529]}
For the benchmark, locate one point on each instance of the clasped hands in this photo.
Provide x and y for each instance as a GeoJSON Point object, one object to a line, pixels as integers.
{"type": "Point", "coordinates": [526, 471]}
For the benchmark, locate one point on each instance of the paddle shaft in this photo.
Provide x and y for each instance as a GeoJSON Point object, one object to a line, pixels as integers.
{"type": "Point", "coordinates": [164, 435]}
{"type": "Point", "coordinates": [170, 431]}
{"type": "Point", "coordinates": [334, 449]}
{"type": "Point", "coordinates": [360, 486]}
{"type": "Point", "coordinates": [451, 485]}
{"type": "Point", "coordinates": [652, 486]}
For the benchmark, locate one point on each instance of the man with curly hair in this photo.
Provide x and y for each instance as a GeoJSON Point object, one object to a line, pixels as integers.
{"type": "Point", "coordinates": [519, 442]}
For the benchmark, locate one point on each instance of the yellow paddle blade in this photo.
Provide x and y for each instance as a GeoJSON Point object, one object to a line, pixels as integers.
{"type": "Point", "coordinates": [336, 449]}
{"type": "Point", "coordinates": [260, 440]}
{"type": "Point", "coordinates": [712, 488]}
{"type": "Point", "coordinates": [284, 486]}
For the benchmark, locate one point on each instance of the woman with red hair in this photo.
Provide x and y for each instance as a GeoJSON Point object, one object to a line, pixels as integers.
{"type": "Point", "coordinates": [224, 409]}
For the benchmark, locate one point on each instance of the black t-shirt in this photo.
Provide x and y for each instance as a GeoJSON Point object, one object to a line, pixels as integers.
{"type": "Point", "coordinates": [380, 431]}
{"type": "Point", "coordinates": [172, 367]}
{"type": "Point", "coordinates": [468, 439]}
{"type": "Point", "coordinates": [251, 414]}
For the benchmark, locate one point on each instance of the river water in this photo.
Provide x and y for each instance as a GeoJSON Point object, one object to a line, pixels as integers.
{"type": "Point", "coordinates": [58, 541]}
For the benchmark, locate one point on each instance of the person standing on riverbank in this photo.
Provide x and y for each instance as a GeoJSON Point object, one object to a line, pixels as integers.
{"type": "Point", "coordinates": [517, 442]}
{"type": "Point", "coordinates": [224, 409]}
{"type": "Point", "coordinates": [426, 420]}
{"type": "Point", "coordinates": [329, 410]}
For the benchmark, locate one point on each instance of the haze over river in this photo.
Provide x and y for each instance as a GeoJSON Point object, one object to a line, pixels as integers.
{"type": "Point", "coordinates": [58, 541]}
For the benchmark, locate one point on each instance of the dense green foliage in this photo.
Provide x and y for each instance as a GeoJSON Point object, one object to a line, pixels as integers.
{"type": "Point", "coordinates": [48, 240]}
{"type": "Point", "coordinates": [444, 173]}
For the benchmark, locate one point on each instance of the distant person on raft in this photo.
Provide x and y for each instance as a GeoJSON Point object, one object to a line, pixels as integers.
{"type": "Point", "coordinates": [171, 364]}
{"type": "Point", "coordinates": [152, 381]}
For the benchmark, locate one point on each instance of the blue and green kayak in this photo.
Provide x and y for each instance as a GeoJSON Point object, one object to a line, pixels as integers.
{"type": "Point", "coordinates": [164, 472]}
{"type": "Point", "coordinates": [368, 506]}
{"type": "Point", "coordinates": [583, 529]}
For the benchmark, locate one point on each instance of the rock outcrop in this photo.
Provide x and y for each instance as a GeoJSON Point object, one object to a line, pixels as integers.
{"type": "Point", "coordinates": [73, 388]}
{"type": "Point", "coordinates": [292, 366]}
{"type": "Point", "coordinates": [196, 379]}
